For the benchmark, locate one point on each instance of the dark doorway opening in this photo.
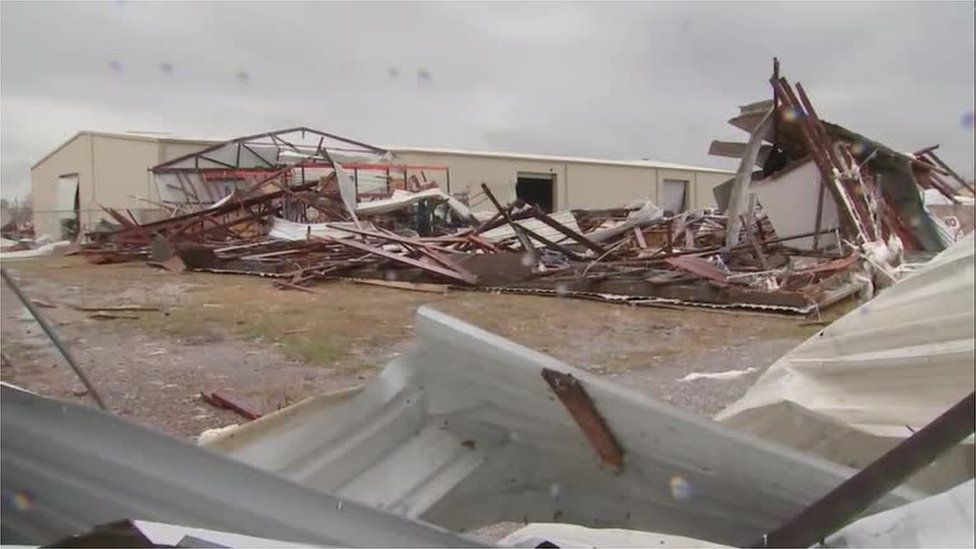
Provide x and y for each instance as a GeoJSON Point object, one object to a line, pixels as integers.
{"type": "Point", "coordinates": [537, 189]}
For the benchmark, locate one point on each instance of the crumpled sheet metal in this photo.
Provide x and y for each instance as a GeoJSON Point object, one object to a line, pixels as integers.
{"type": "Point", "coordinates": [861, 385]}
{"type": "Point", "coordinates": [283, 229]}
{"type": "Point", "coordinates": [69, 467]}
{"type": "Point", "coordinates": [463, 431]}
{"type": "Point", "coordinates": [402, 199]}
{"type": "Point", "coordinates": [942, 520]}
{"type": "Point", "coordinates": [571, 535]}
{"type": "Point", "coordinates": [565, 218]}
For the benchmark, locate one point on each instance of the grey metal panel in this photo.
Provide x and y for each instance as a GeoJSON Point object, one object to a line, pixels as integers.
{"type": "Point", "coordinates": [861, 385]}
{"type": "Point", "coordinates": [463, 431]}
{"type": "Point", "coordinates": [77, 467]}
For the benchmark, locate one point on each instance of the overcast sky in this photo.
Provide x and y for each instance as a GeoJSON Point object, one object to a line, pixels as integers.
{"type": "Point", "coordinates": [622, 81]}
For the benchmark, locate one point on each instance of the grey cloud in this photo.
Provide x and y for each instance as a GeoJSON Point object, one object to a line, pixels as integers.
{"type": "Point", "coordinates": [634, 80]}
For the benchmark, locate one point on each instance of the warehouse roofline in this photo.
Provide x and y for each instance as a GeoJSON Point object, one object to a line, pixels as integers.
{"type": "Point", "coordinates": [133, 136]}
{"type": "Point", "coordinates": [573, 159]}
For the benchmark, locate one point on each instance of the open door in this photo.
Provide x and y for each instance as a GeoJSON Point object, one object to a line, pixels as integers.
{"type": "Point", "coordinates": [68, 207]}
{"type": "Point", "coordinates": [537, 189]}
{"type": "Point", "coordinates": [674, 196]}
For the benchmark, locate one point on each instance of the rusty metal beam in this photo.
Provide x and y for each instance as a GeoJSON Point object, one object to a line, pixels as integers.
{"type": "Point", "coordinates": [931, 155]}
{"type": "Point", "coordinates": [436, 269]}
{"type": "Point", "coordinates": [552, 245]}
{"type": "Point", "coordinates": [544, 217]}
{"type": "Point", "coordinates": [519, 232]}
{"type": "Point", "coordinates": [579, 404]}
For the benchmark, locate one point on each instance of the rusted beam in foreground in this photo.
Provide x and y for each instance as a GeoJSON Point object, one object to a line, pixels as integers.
{"type": "Point", "coordinates": [575, 398]}
{"type": "Point", "coordinates": [844, 503]}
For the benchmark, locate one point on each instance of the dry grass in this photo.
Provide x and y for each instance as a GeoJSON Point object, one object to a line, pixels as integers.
{"type": "Point", "coordinates": [345, 325]}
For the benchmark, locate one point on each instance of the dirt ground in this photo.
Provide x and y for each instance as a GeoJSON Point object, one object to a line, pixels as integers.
{"type": "Point", "coordinates": [273, 347]}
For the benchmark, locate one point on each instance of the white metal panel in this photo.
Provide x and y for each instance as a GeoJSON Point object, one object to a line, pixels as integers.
{"type": "Point", "coordinates": [567, 219]}
{"type": "Point", "coordinates": [789, 199]}
{"type": "Point", "coordinates": [463, 431]}
{"type": "Point", "coordinates": [942, 520]}
{"type": "Point", "coordinates": [674, 195]}
{"type": "Point", "coordinates": [864, 383]}
{"type": "Point", "coordinates": [66, 192]}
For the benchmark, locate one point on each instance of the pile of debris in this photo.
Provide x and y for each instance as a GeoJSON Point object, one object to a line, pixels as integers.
{"type": "Point", "coordinates": [866, 194]}
{"type": "Point", "coordinates": [299, 234]}
{"type": "Point", "coordinates": [830, 214]}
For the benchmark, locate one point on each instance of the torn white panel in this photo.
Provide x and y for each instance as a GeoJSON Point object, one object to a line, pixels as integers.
{"type": "Point", "coordinates": [170, 535]}
{"type": "Point", "coordinates": [347, 190]}
{"type": "Point", "coordinates": [41, 251]}
{"type": "Point", "coordinates": [284, 229]}
{"type": "Point", "coordinates": [565, 218]}
{"type": "Point", "coordinates": [647, 214]}
{"type": "Point", "coordinates": [756, 107]}
{"type": "Point", "coordinates": [726, 375]}
{"type": "Point", "coordinates": [942, 520]}
{"type": "Point", "coordinates": [463, 431]}
{"type": "Point", "coordinates": [932, 197]}
{"type": "Point", "coordinates": [402, 199]}
{"type": "Point", "coordinates": [858, 387]}
{"type": "Point", "coordinates": [739, 197]}
{"type": "Point", "coordinates": [572, 535]}
{"type": "Point", "coordinates": [789, 198]}
{"type": "Point", "coordinates": [733, 149]}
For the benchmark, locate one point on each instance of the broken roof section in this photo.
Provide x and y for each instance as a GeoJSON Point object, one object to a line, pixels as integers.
{"type": "Point", "coordinates": [203, 178]}
{"type": "Point", "coordinates": [273, 150]}
{"type": "Point", "coordinates": [870, 191]}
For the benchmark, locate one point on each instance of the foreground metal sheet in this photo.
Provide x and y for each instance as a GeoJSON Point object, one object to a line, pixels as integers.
{"type": "Point", "coordinates": [861, 385]}
{"type": "Point", "coordinates": [67, 468]}
{"type": "Point", "coordinates": [943, 520]}
{"type": "Point", "coordinates": [464, 431]}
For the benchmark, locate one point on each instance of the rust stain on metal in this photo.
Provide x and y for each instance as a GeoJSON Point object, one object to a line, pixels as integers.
{"type": "Point", "coordinates": [575, 398]}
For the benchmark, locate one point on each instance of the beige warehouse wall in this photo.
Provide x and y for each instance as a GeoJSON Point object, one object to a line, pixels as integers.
{"type": "Point", "coordinates": [705, 182]}
{"type": "Point", "coordinates": [74, 158]}
{"type": "Point", "coordinates": [468, 172]}
{"type": "Point", "coordinates": [170, 151]}
{"type": "Point", "coordinates": [121, 169]}
{"type": "Point", "coordinates": [594, 186]}
{"type": "Point", "coordinates": [579, 185]}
